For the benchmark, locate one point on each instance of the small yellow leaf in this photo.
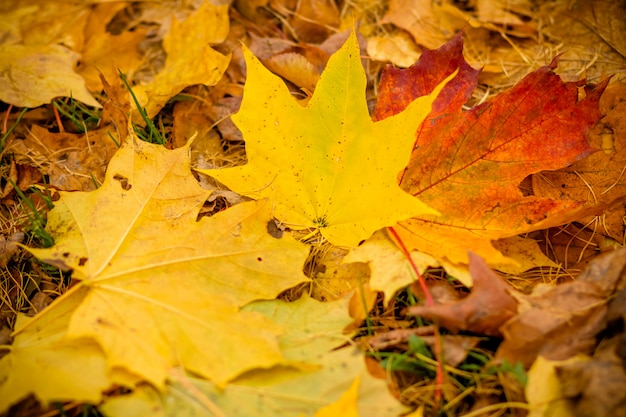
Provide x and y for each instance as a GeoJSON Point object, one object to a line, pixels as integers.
{"type": "Point", "coordinates": [419, 412]}
{"type": "Point", "coordinates": [345, 406]}
{"type": "Point", "coordinates": [391, 271]}
{"type": "Point", "coordinates": [327, 165]}
{"type": "Point", "coordinates": [105, 53]}
{"type": "Point", "coordinates": [34, 75]}
{"type": "Point", "coordinates": [190, 58]}
{"type": "Point", "coordinates": [543, 390]}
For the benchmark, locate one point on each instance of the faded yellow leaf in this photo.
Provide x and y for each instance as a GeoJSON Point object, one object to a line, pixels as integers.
{"type": "Point", "coordinates": [278, 391]}
{"type": "Point", "coordinates": [311, 327]}
{"type": "Point", "coordinates": [525, 252]}
{"type": "Point", "coordinates": [34, 75]}
{"type": "Point", "coordinates": [190, 58]}
{"type": "Point", "coordinates": [163, 288]}
{"type": "Point", "coordinates": [327, 165]}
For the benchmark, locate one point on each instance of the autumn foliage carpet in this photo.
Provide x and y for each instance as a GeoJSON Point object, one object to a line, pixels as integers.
{"type": "Point", "coordinates": [312, 208]}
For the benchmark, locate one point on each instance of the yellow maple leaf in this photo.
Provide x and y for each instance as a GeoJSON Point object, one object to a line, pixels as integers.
{"type": "Point", "coordinates": [317, 376]}
{"type": "Point", "coordinates": [163, 288]}
{"type": "Point", "coordinates": [326, 164]}
{"type": "Point", "coordinates": [544, 390]}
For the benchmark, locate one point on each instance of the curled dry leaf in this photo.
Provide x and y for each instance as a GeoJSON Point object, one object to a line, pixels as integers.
{"type": "Point", "coordinates": [77, 162]}
{"type": "Point", "coordinates": [489, 305]}
{"type": "Point", "coordinates": [314, 20]}
{"type": "Point", "coordinates": [72, 161]}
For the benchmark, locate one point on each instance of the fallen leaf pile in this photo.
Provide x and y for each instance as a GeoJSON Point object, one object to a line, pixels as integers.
{"type": "Point", "coordinates": [160, 290]}
{"type": "Point", "coordinates": [309, 204]}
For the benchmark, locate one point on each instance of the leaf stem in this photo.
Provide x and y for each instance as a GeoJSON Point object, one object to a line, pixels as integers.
{"type": "Point", "coordinates": [430, 302]}
{"type": "Point", "coordinates": [407, 255]}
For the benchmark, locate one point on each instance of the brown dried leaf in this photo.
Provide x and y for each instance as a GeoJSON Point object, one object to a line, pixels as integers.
{"type": "Point", "coordinates": [488, 306]}
{"type": "Point", "coordinates": [564, 321]}
{"type": "Point", "coordinates": [72, 161]}
{"type": "Point", "coordinates": [313, 20]}
{"type": "Point", "coordinates": [455, 347]}
{"type": "Point", "coordinates": [9, 247]}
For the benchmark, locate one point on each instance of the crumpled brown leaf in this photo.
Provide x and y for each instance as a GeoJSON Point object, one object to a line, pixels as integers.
{"type": "Point", "coordinates": [483, 311]}
{"type": "Point", "coordinates": [565, 320]}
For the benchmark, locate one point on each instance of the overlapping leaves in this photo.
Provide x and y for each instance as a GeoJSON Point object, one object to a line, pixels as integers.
{"type": "Point", "coordinates": [156, 286]}
{"type": "Point", "coordinates": [326, 164]}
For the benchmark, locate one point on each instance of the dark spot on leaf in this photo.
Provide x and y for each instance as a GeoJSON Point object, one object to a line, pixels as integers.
{"type": "Point", "coordinates": [123, 181]}
{"type": "Point", "coordinates": [82, 261]}
{"type": "Point", "coordinates": [273, 229]}
{"type": "Point", "coordinates": [66, 254]}
{"type": "Point", "coordinates": [259, 259]}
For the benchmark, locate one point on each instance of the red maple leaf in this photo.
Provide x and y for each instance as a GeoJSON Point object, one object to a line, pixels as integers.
{"type": "Point", "coordinates": [468, 165]}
